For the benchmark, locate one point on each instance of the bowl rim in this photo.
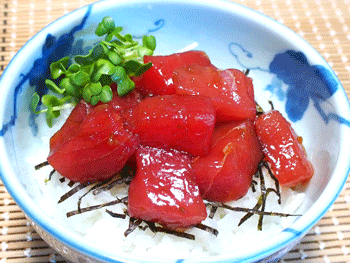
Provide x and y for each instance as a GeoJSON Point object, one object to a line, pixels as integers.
{"type": "Point", "coordinates": [303, 224]}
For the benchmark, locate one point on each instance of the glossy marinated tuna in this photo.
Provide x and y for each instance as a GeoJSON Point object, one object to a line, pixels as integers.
{"type": "Point", "coordinates": [184, 123]}
{"type": "Point", "coordinates": [283, 149]}
{"type": "Point", "coordinates": [225, 174]}
{"type": "Point", "coordinates": [98, 148]}
{"type": "Point", "coordinates": [230, 90]}
{"type": "Point", "coordinates": [164, 191]}
{"type": "Point", "coordinates": [158, 80]}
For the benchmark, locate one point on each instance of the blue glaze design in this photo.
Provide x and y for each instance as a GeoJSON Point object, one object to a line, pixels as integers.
{"type": "Point", "coordinates": [235, 49]}
{"type": "Point", "coordinates": [158, 25]}
{"type": "Point", "coordinates": [293, 231]}
{"type": "Point", "coordinates": [305, 82]}
{"type": "Point", "coordinates": [52, 50]}
{"type": "Point", "coordinates": [180, 260]}
{"type": "Point", "coordinates": [276, 88]}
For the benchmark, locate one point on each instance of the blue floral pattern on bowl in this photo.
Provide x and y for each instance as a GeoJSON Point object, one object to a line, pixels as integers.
{"type": "Point", "coordinates": [53, 49]}
{"type": "Point", "coordinates": [306, 83]}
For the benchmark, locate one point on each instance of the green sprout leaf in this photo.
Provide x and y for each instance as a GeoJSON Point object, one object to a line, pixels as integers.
{"type": "Point", "coordinates": [107, 26]}
{"type": "Point", "coordinates": [102, 67]}
{"type": "Point", "coordinates": [81, 78]}
{"type": "Point", "coordinates": [34, 102]}
{"type": "Point", "coordinates": [125, 86]}
{"type": "Point", "coordinates": [149, 42]}
{"type": "Point", "coordinates": [95, 53]}
{"type": "Point", "coordinates": [59, 67]}
{"type": "Point", "coordinates": [94, 92]}
{"type": "Point", "coordinates": [117, 58]}
{"type": "Point", "coordinates": [106, 94]}
{"type": "Point", "coordinates": [54, 106]}
{"type": "Point", "coordinates": [52, 86]}
{"type": "Point", "coordinates": [119, 74]}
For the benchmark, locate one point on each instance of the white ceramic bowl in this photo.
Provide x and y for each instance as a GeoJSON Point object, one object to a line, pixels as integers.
{"type": "Point", "coordinates": [285, 69]}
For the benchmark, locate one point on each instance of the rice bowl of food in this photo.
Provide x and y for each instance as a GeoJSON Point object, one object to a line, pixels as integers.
{"type": "Point", "coordinates": [147, 131]}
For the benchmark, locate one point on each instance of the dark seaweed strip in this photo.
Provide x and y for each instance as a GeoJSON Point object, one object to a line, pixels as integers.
{"type": "Point", "coordinates": [175, 233]}
{"type": "Point", "coordinates": [271, 104]}
{"type": "Point", "coordinates": [51, 173]}
{"type": "Point", "coordinates": [133, 224]}
{"type": "Point", "coordinates": [263, 195]}
{"type": "Point", "coordinates": [277, 185]}
{"type": "Point", "coordinates": [250, 210]}
{"type": "Point", "coordinates": [143, 227]}
{"type": "Point", "coordinates": [116, 215]}
{"type": "Point", "coordinates": [72, 192]}
{"type": "Point", "coordinates": [94, 207]}
{"type": "Point", "coordinates": [71, 183]}
{"type": "Point", "coordinates": [151, 226]}
{"type": "Point", "coordinates": [41, 165]}
{"type": "Point", "coordinates": [213, 210]}
{"type": "Point", "coordinates": [208, 229]}
{"type": "Point", "coordinates": [124, 200]}
{"type": "Point", "coordinates": [246, 72]}
{"type": "Point", "coordinates": [111, 185]}
{"type": "Point", "coordinates": [259, 109]}
{"type": "Point", "coordinates": [62, 179]}
{"type": "Point", "coordinates": [91, 189]}
{"type": "Point", "coordinates": [249, 215]}
{"type": "Point", "coordinates": [254, 183]}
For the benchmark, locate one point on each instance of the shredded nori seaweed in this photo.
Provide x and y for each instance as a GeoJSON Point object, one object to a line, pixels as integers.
{"type": "Point", "coordinates": [117, 215]}
{"type": "Point", "coordinates": [277, 185]}
{"type": "Point", "coordinates": [71, 183]}
{"type": "Point", "coordinates": [95, 186]}
{"type": "Point", "coordinates": [111, 184]}
{"type": "Point", "coordinates": [254, 183]}
{"type": "Point", "coordinates": [94, 207]}
{"type": "Point", "coordinates": [133, 224]}
{"type": "Point", "coordinates": [41, 165]}
{"type": "Point", "coordinates": [72, 192]}
{"type": "Point", "coordinates": [62, 179]}
{"type": "Point", "coordinates": [259, 208]}
{"type": "Point", "coordinates": [249, 210]}
{"type": "Point", "coordinates": [213, 210]}
{"type": "Point", "coordinates": [208, 229]}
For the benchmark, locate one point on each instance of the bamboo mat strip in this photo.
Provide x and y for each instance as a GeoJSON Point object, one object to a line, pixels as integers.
{"type": "Point", "coordinates": [324, 24]}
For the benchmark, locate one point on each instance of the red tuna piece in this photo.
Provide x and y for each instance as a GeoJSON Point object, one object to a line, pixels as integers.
{"type": "Point", "coordinates": [81, 110]}
{"type": "Point", "coordinates": [163, 189]}
{"type": "Point", "coordinates": [99, 148]}
{"type": "Point", "coordinates": [231, 90]}
{"type": "Point", "coordinates": [283, 149]}
{"type": "Point", "coordinates": [158, 79]}
{"type": "Point", "coordinates": [184, 123]}
{"type": "Point", "coordinates": [70, 127]}
{"type": "Point", "coordinates": [126, 102]}
{"type": "Point", "coordinates": [225, 174]}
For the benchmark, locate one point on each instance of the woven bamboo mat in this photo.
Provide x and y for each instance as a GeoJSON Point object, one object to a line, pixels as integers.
{"type": "Point", "coordinates": [324, 24]}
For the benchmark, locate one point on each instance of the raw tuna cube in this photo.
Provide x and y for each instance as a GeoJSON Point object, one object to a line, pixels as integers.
{"type": "Point", "coordinates": [98, 149]}
{"type": "Point", "coordinates": [231, 90]}
{"type": "Point", "coordinates": [283, 149]}
{"type": "Point", "coordinates": [158, 79]}
{"type": "Point", "coordinates": [124, 103]}
{"type": "Point", "coordinates": [184, 123]}
{"type": "Point", "coordinates": [70, 127]}
{"type": "Point", "coordinates": [225, 174]}
{"type": "Point", "coordinates": [163, 189]}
